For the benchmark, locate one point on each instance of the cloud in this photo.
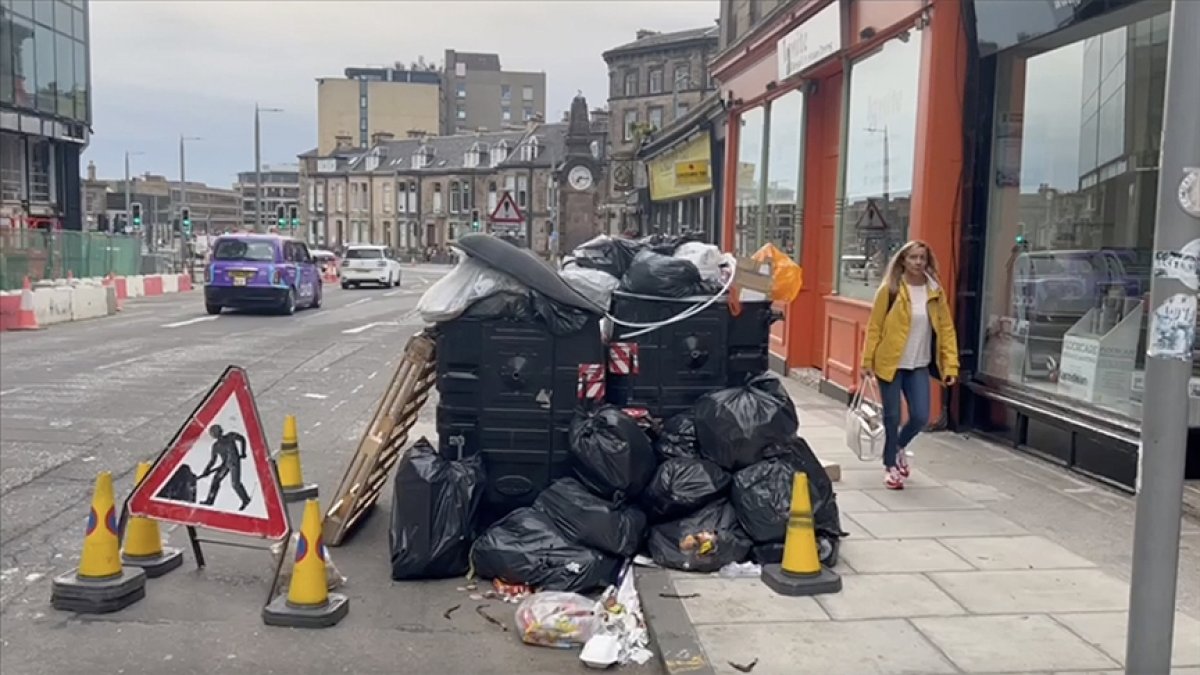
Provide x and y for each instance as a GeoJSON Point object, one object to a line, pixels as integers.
{"type": "Point", "coordinates": [160, 69]}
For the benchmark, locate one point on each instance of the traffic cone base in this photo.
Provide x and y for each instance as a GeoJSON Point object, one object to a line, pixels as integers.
{"type": "Point", "coordinates": [71, 593]}
{"type": "Point", "coordinates": [299, 494]}
{"type": "Point", "coordinates": [787, 583]}
{"type": "Point", "coordinates": [156, 565]}
{"type": "Point", "coordinates": [280, 612]}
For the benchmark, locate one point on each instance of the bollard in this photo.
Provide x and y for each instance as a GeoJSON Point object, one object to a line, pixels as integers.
{"type": "Point", "coordinates": [801, 572]}
{"type": "Point", "coordinates": [291, 476]}
{"type": "Point", "coordinates": [143, 541]}
{"type": "Point", "coordinates": [100, 584]}
{"type": "Point", "coordinates": [308, 602]}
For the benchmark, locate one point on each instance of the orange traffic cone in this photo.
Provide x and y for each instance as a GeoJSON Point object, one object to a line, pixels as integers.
{"type": "Point", "coordinates": [110, 281]}
{"type": "Point", "coordinates": [26, 318]}
{"type": "Point", "coordinates": [308, 602]}
{"type": "Point", "coordinates": [100, 584]}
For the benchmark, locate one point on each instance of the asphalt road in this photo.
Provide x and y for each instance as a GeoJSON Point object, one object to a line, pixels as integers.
{"type": "Point", "coordinates": [80, 398]}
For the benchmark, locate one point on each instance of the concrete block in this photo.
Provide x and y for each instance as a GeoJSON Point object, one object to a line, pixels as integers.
{"type": "Point", "coordinates": [1106, 630]}
{"type": "Point", "coordinates": [1035, 591]}
{"type": "Point", "coordinates": [741, 601]}
{"type": "Point", "coordinates": [88, 302]}
{"type": "Point", "coordinates": [137, 285]}
{"type": "Point", "coordinates": [888, 596]}
{"type": "Point", "coordinates": [887, 646]}
{"type": "Point", "coordinates": [170, 283]}
{"type": "Point", "coordinates": [185, 283]}
{"type": "Point", "coordinates": [899, 555]}
{"type": "Point", "coordinates": [930, 524]}
{"type": "Point", "coordinates": [152, 285]}
{"type": "Point", "coordinates": [1014, 553]}
{"type": "Point", "coordinates": [10, 304]}
{"type": "Point", "coordinates": [52, 305]}
{"type": "Point", "coordinates": [1010, 644]}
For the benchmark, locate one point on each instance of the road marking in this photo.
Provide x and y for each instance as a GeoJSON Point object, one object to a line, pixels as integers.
{"type": "Point", "coordinates": [319, 397]}
{"type": "Point", "coordinates": [390, 294]}
{"type": "Point", "coordinates": [358, 329]}
{"type": "Point", "coordinates": [189, 322]}
{"type": "Point", "coordinates": [373, 374]}
{"type": "Point", "coordinates": [121, 363]}
{"type": "Point", "coordinates": [356, 390]}
{"type": "Point", "coordinates": [359, 302]}
{"type": "Point", "coordinates": [11, 391]}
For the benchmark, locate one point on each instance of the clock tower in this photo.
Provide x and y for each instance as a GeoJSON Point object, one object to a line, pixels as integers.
{"type": "Point", "coordinates": [579, 182]}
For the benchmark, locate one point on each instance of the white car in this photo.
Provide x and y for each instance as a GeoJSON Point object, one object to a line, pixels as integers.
{"type": "Point", "coordinates": [367, 264]}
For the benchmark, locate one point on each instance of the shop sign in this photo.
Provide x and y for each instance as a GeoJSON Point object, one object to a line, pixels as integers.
{"type": "Point", "coordinates": [810, 42]}
{"type": "Point", "coordinates": [683, 171]}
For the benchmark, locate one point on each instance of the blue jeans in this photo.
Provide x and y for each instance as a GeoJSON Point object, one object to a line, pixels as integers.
{"type": "Point", "coordinates": [914, 385]}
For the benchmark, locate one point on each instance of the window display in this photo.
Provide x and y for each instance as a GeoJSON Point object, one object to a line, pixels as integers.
{"type": "Point", "coordinates": [1071, 223]}
{"type": "Point", "coordinates": [880, 143]}
{"type": "Point", "coordinates": [749, 180]}
{"type": "Point", "coordinates": [768, 202]}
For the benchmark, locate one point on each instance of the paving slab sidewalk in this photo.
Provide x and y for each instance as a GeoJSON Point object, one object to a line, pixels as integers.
{"type": "Point", "coordinates": [937, 577]}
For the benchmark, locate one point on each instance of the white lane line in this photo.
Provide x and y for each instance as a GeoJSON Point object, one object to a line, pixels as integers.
{"type": "Point", "coordinates": [189, 322]}
{"type": "Point", "coordinates": [390, 294]}
{"type": "Point", "coordinates": [358, 302]}
{"type": "Point", "coordinates": [121, 363]}
{"type": "Point", "coordinates": [356, 389]}
{"type": "Point", "coordinates": [358, 329]}
{"type": "Point", "coordinates": [11, 391]}
{"type": "Point", "coordinates": [373, 374]}
{"type": "Point", "coordinates": [319, 397]}
{"type": "Point", "coordinates": [337, 405]}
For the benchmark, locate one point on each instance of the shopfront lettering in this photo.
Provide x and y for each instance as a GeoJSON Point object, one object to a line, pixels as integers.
{"type": "Point", "coordinates": [1074, 378]}
{"type": "Point", "coordinates": [1088, 348]}
{"type": "Point", "coordinates": [811, 42]}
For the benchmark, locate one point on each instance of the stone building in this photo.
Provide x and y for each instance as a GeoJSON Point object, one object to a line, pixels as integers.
{"type": "Point", "coordinates": [654, 80]}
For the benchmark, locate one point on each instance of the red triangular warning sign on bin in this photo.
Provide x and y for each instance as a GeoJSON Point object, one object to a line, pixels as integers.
{"type": "Point", "coordinates": [506, 210]}
{"type": "Point", "coordinates": [217, 471]}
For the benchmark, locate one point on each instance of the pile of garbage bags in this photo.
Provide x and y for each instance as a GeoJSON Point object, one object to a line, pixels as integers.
{"type": "Point", "coordinates": [671, 266]}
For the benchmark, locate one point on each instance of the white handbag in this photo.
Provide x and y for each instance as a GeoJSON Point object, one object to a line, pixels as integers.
{"type": "Point", "coordinates": [864, 422]}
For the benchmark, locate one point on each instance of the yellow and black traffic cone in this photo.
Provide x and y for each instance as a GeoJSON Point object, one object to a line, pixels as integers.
{"type": "Point", "coordinates": [143, 545]}
{"type": "Point", "coordinates": [100, 584]}
{"type": "Point", "coordinates": [801, 572]}
{"type": "Point", "coordinates": [308, 602]}
{"type": "Point", "coordinates": [291, 477]}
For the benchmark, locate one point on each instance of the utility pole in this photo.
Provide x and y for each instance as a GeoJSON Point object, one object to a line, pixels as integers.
{"type": "Point", "coordinates": [258, 164]}
{"type": "Point", "coordinates": [128, 191]}
{"type": "Point", "coordinates": [183, 198]}
{"type": "Point", "coordinates": [1169, 357]}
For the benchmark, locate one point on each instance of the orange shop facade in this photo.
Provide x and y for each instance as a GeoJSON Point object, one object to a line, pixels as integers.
{"type": "Point", "coordinates": [844, 140]}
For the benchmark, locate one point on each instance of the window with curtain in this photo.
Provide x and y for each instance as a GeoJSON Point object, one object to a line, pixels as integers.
{"type": "Point", "coordinates": [880, 148]}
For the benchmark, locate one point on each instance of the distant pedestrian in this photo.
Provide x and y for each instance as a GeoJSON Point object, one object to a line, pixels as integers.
{"type": "Point", "coordinates": [910, 337]}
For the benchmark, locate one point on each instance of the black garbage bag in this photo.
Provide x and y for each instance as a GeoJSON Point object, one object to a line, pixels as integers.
{"type": "Point", "coordinates": [588, 520]}
{"type": "Point", "coordinates": [665, 243]}
{"type": "Point", "coordinates": [611, 454]}
{"type": "Point", "coordinates": [705, 541]}
{"type": "Point", "coordinates": [677, 437]}
{"type": "Point", "coordinates": [607, 254]}
{"type": "Point", "coordinates": [682, 485]}
{"type": "Point", "coordinates": [530, 306]}
{"type": "Point", "coordinates": [735, 426]}
{"type": "Point", "coordinates": [762, 495]}
{"type": "Point", "coordinates": [525, 547]}
{"type": "Point", "coordinates": [434, 505]}
{"type": "Point", "coordinates": [663, 276]}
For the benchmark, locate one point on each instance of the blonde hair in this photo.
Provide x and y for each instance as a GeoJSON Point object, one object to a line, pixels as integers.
{"type": "Point", "coordinates": [895, 266]}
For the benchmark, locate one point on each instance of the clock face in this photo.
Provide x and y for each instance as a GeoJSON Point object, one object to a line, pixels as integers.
{"type": "Point", "coordinates": [580, 178]}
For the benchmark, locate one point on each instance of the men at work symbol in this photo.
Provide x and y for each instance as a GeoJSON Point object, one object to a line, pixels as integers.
{"type": "Point", "coordinates": [230, 449]}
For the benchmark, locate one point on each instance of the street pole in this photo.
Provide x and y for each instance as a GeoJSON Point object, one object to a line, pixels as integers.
{"type": "Point", "coordinates": [128, 201]}
{"type": "Point", "coordinates": [529, 210]}
{"type": "Point", "coordinates": [257, 171]}
{"type": "Point", "coordinates": [1168, 359]}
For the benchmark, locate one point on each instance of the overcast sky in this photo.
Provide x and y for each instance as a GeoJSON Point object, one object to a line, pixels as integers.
{"type": "Point", "coordinates": [162, 68]}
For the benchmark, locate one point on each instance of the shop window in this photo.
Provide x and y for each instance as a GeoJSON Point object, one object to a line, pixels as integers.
{"type": "Point", "coordinates": [784, 148]}
{"type": "Point", "coordinates": [748, 202]}
{"type": "Point", "coordinates": [880, 140]}
{"type": "Point", "coordinates": [1072, 200]}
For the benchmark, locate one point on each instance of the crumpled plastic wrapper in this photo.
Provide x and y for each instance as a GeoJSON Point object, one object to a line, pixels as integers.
{"type": "Point", "coordinates": [620, 614]}
{"type": "Point", "coordinates": [333, 578]}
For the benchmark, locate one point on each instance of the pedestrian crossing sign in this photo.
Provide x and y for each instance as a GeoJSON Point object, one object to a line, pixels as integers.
{"type": "Point", "coordinates": [507, 211]}
{"type": "Point", "coordinates": [217, 471]}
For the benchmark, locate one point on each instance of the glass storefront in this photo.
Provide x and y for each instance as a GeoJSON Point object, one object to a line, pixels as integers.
{"type": "Point", "coordinates": [46, 69]}
{"type": "Point", "coordinates": [1071, 213]}
{"type": "Point", "coordinates": [768, 202]}
{"type": "Point", "coordinates": [880, 143]}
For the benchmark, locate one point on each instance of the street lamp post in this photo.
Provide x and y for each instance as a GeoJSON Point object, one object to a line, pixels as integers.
{"type": "Point", "coordinates": [128, 199]}
{"type": "Point", "coordinates": [258, 164]}
{"type": "Point", "coordinates": [183, 199]}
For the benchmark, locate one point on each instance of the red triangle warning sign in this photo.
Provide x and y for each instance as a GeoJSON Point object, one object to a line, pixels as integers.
{"type": "Point", "coordinates": [506, 210]}
{"type": "Point", "coordinates": [217, 471]}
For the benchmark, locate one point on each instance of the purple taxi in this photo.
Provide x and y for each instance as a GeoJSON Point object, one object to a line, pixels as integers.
{"type": "Point", "coordinates": [261, 271]}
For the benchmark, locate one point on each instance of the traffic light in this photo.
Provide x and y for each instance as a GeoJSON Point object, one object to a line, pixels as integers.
{"type": "Point", "coordinates": [279, 219]}
{"type": "Point", "coordinates": [475, 220]}
{"type": "Point", "coordinates": [185, 218]}
{"type": "Point", "coordinates": [295, 217]}
{"type": "Point", "coordinates": [136, 208]}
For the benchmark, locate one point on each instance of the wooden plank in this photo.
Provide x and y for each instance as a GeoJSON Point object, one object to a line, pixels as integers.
{"type": "Point", "coordinates": [383, 440]}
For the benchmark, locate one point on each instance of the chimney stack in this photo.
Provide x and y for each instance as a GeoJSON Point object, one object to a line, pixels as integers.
{"type": "Point", "coordinates": [343, 142]}
{"type": "Point", "coordinates": [644, 33]}
{"type": "Point", "coordinates": [416, 133]}
{"type": "Point", "coordinates": [381, 137]}
{"type": "Point", "coordinates": [91, 171]}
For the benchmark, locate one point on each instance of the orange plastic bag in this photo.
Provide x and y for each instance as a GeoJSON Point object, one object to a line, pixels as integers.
{"type": "Point", "coordinates": [787, 278]}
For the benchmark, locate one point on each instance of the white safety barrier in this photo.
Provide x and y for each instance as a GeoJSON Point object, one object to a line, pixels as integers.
{"type": "Point", "coordinates": [135, 286]}
{"type": "Point", "coordinates": [170, 283]}
{"type": "Point", "coordinates": [89, 300]}
{"type": "Point", "coordinates": [52, 304]}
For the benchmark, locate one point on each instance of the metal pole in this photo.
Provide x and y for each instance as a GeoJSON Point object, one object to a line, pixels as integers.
{"type": "Point", "coordinates": [257, 173]}
{"type": "Point", "coordinates": [182, 205]}
{"type": "Point", "coordinates": [1169, 358]}
{"type": "Point", "coordinates": [128, 222]}
{"type": "Point", "coordinates": [529, 210]}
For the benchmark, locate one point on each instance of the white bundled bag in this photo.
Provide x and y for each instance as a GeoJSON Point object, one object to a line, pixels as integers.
{"type": "Point", "coordinates": [706, 257]}
{"type": "Point", "coordinates": [864, 422]}
{"type": "Point", "coordinates": [470, 280]}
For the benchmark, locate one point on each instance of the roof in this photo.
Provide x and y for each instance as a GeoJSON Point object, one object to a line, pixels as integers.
{"type": "Point", "coordinates": [478, 61]}
{"type": "Point", "coordinates": [450, 152]}
{"type": "Point", "coordinates": [664, 40]}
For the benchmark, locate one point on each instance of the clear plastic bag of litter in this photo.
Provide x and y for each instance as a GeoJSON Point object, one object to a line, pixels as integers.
{"type": "Point", "coordinates": [555, 619]}
{"type": "Point", "coordinates": [470, 280]}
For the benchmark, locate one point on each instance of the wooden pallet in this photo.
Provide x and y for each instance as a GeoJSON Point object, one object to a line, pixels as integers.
{"type": "Point", "coordinates": [384, 439]}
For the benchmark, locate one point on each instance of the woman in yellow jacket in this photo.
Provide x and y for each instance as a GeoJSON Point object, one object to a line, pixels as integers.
{"type": "Point", "coordinates": [910, 338]}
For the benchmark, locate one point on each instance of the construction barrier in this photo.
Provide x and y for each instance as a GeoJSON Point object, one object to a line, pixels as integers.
{"type": "Point", "coordinates": [153, 285]}
{"type": "Point", "coordinates": [185, 283]}
{"type": "Point", "coordinates": [10, 305]}
{"type": "Point", "coordinates": [54, 301]}
{"type": "Point", "coordinates": [51, 303]}
{"type": "Point", "coordinates": [136, 285]}
{"type": "Point", "coordinates": [170, 283]}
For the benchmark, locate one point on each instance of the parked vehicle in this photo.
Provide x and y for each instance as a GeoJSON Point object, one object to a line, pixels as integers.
{"type": "Point", "coordinates": [369, 264]}
{"type": "Point", "coordinates": [257, 271]}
